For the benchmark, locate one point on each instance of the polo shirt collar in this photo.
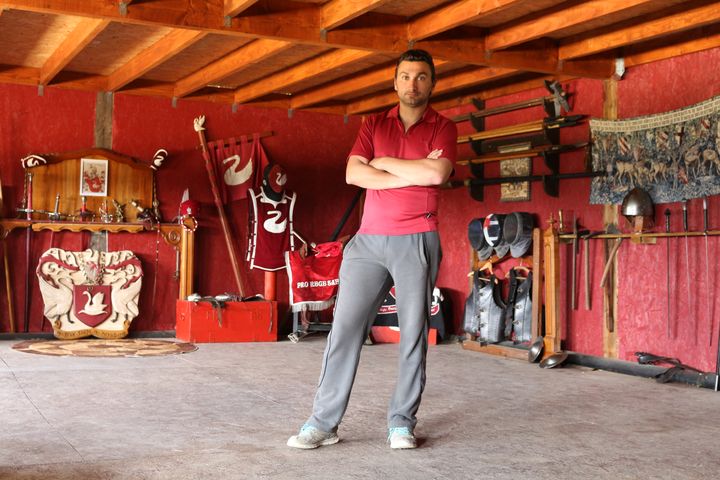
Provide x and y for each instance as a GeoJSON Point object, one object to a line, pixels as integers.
{"type": "Point", "coordinates": [429, 115]}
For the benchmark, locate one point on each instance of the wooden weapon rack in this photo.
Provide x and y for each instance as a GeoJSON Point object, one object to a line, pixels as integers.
{"type": "Point", "coordinates": [545, 315]}
{"type": "Point", "coordinates": [56, 175]}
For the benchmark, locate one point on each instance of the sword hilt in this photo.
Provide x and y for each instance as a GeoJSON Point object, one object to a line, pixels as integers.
{"type": "Point", "coordinates": [667, 220]}
{"type": "Point", "coordinates": [685, 216]}
{"type": "Point", "coordinates": [705, 215]}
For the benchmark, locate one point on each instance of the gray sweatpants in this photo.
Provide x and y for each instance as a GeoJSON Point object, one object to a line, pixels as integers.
{"type": "Point", "coordinates": [371, 265]}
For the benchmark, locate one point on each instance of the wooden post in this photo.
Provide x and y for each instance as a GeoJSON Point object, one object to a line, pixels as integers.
{"type": "Point", "coordinates": [187, 249]}
{"type": "Point", "coordinates": [551, 259]}
{"type": "Point", "coordinates": [537, 329]}
{"type": "Point", "coordinates": [610, 217]}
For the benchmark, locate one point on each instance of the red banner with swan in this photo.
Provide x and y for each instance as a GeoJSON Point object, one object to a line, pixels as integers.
{"type": "Point", "coordinates": [238, 165]}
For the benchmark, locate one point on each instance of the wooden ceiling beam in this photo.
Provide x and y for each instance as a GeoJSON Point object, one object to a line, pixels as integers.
{"type": "Point", "coordinates": [500, 91]}
{"type": "Point", "coordinates": [232, 8]}
{"type": "Point", "coordinates": [381, 78]}
{"type": "Point", "coordinates": [455, 14]}
{"type": "Point", "coordinates": [335, 60]}
{"type": "Point", "coordinates": [84, 33]}
{"type": "Point", "coordinates": [704, 38]}
{"type": "Point", "coordinates": [698, 16]}
{"type": "Point", "coordinates": [325, 93]}
{"type": "Point", "coordinates": [446, 84]}
{"type": "Point", "coordinates": [552, 23]}
{"type": "Point", "coordinates": [542, 56]}
{"type": "Point", "coordinates": [337, 12]}
{"type": "Point", "coordinates": [539, 56]}
{"type": "Point", "coordinates": [230, 64]}
{"type": "Point", "coordinates": [164, 49]}
{"type": "Point", "coordinates": [19, 75]}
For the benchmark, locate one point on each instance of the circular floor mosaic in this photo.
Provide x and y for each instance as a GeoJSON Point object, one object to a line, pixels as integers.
{"type": "Point", "coordinates": [124, 347]}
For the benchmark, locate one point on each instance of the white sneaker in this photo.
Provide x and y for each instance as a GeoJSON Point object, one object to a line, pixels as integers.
{"type": "Point", "coordinates": [310, 437]}
{"type": "Point", "coordinates": [401, 438]}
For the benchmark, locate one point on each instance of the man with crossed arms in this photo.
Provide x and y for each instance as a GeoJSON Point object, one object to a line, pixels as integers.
{"type": "Point", "coordinates": [400, 156]}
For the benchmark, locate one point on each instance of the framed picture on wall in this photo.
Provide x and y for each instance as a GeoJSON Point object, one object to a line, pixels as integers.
{"type": "Point", "coordinates": [516, 191]}
{"type": "Point", "coordinates": [93, 177]}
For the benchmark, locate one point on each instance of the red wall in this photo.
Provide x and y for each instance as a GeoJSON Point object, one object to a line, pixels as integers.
{"type": "Point", "coordinates": [642, 307]}
{"type": "Point", "coordinates": [312, 147]}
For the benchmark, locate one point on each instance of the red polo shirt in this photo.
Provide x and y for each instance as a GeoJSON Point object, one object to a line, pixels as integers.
{"type": "Point", "coordinates": [402, 211]}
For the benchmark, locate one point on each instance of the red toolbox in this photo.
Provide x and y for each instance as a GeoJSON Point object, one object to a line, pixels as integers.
{"type": "Point", "coordinates": [254, 321]}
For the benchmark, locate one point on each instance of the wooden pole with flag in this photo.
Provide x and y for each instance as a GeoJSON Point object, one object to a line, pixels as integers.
{"type": "Point", "coordinates": [200, 129]}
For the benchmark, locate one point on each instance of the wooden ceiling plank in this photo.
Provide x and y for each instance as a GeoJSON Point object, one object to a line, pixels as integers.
{"type": "Point", "coordinates": [84, 33]}
{"type": "Point", "coordinates": [501, 91]}
{"type": "Point", "coordinates": [315, 67]}
{"type": "Point", "coordinates": [234, 7]}
{"type": "Point", "coordinates": [688, 19]}
{"type": "Point", "coordinates": [230, 64]}
{"type": "Point", "coordinates": [336, 12]}
{"type": "Point", "coordinates": [197, 15]}
{"type": "Point", "coordinates": [708, 38]}
{"type": "Point", "coordinates": [384, 39]}
{"type": "Point", "coordinates": [541, 56]}
{"type": "Point", "coordinates": [546, 25]}
{"type": "Point", "coordinates": [167, 47]}
{"type": "Point", "coordinates": [19, 75]}
{"type": "Point", "coordinates": [301, 26]}
{"type": "Point", "coordinates": [343, 87]}
{"type": "Point", "coordinates": [446, 84]}
{"type": "Point", "coordinates": [376, 78]}
{"type": "Point", "coordinates": [455, 14]}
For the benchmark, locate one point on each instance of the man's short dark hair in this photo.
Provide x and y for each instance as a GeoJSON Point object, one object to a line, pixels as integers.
{"type": "Point", "coordinates": [417, 55]}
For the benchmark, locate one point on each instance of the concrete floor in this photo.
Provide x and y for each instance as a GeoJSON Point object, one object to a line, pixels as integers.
{"type": "Point", "coordinates": [226, 410]}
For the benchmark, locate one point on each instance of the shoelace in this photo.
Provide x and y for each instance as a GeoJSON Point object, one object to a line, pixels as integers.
{"type": "Point", "coordinates": [399, 431]}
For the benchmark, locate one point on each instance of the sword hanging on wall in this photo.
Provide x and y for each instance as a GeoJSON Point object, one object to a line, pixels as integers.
{"type": "Point", "coordinates": [707, 269]}
{"type": "Point", "coordinates": [28, 241]}
{"type": "Point", "coordinates": [667, 270]}
{"type": "Point", "coordinates": [687, 269]}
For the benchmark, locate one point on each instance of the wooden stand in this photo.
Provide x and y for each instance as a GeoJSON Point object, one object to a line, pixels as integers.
{"type": "Point", "coordinates": [179, 236]}
{"type": "Point", "coordinates": [545, 273]}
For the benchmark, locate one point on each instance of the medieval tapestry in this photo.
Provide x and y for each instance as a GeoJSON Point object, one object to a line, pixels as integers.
{"type": "Point", "coordinates": [674, 156]}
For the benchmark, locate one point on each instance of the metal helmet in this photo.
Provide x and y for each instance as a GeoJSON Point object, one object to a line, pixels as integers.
{"type": "Point", "coordinates": [637, 203]}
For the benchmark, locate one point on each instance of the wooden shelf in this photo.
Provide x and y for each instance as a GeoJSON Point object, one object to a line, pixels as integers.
{"type": "Point", "coordinates": [508, 351]}
{"type": "Point", "coordinates": [178, 236]}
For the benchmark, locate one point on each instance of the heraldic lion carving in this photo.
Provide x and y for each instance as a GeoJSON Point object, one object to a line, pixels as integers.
{"type": "Point", "coordinates": [90, 293]}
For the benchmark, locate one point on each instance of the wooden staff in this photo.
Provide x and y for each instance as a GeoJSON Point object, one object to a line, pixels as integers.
{"type": "Point", "coordinates": [528, 127]}
{"type": "Point", "coordinates": [528, 152]}
{"type": "Point", "coordinates": [198, 124]}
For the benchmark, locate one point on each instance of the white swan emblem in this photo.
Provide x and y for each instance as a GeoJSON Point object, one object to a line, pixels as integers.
{"type": "Point", "coordinates": [234, 177]}
{"type": "Point", "coordinates": [272, 225]}
{"type": "Point", "coordinates": [94, 305]}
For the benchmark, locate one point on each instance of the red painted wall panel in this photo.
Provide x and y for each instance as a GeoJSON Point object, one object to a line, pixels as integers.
{"type": "Point", "coordinates": [312, 147]}
{"type": "Point", "coordinates": [642, 306]}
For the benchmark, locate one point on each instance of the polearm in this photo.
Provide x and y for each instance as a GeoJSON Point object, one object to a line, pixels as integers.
{"type": "Point", "coordinates": [503, 108]}
{"type": "Point", "coordinates": [528, 127]}
{"type": "Point", "coordinates": [198, 125]}
{"type": "Point", "coordinates": [532, 152]}
{"type": "Point", "coordinates": [558, 97]}
{"type": "Point", "coordinates": [687, 269]}
{"type": "Point", "coordinates": [707, 269]}
{"type": "Point", "coordinates": [525, 178]}
{"type": "Point", "coordinates": [28, 216]}
{"type": "Point", "coordinates": [346, 215]}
